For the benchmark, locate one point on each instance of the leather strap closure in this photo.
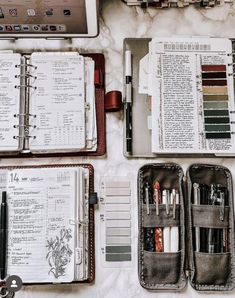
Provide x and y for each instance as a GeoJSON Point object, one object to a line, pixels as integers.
{"type": "Point", "coordinates": [98, 78]}
{"type": "Point", "coordinates": [113, 101]}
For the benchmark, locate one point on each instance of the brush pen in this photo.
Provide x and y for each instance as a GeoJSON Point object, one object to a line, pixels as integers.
{"type": "Point", "coordinates": [128, 103]}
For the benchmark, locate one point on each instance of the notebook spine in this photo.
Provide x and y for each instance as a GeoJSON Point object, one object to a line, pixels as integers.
{"type": "Point", "coordinates": [25, 86]}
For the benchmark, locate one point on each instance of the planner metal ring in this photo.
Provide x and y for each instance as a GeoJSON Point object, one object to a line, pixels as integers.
{"type": "Point", "coordinates": [27, 75]}
{"type": "Point", "coordinates": [26, 64]}
{"type": "Point", "coordinates": [78, 222]}
{"type": "Point", "coordinates": [25, 86]}
{"type": "Point", "coordinates": [24, 137]}
{"type": "Point", "coordinates": [24, 125]}
{"type": "Point", "coordinates": [25, 115]}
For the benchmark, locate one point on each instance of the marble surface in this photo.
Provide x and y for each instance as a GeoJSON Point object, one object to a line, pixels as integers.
{"type": "Point", "coordinates": [118, 21]}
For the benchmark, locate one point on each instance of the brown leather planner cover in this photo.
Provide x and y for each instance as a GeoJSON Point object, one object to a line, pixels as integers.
{"type": "Point", "coordinates": [91, 247]}
{"type": "Point", "coordinates": [100, 116]}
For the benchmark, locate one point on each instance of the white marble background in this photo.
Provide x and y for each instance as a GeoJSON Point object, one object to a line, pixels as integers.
{"type": "Point", "coordinates": [118, 21]}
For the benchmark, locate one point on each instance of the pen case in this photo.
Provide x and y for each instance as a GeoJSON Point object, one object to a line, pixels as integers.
{"type": "Point", "coordinates": [170, 270]}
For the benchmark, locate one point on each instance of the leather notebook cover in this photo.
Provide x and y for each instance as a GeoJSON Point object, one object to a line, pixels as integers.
{"type": "Point", "coordinates": [91, 247]}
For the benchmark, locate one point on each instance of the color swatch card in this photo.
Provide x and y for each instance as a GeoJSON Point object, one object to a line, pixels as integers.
{"type": "Point", "coordinates": [215, 101]}
{"type": "Point", "coordinates": [190, 81]}
{"type": "Point", "coordinates": [116, 222]}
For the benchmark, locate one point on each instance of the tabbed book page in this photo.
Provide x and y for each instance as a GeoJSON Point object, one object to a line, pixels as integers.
{"type": "Point", "coordinates": [192, 95]}
{"type": "Point", "coordinates": [91, 126]}
{"type": "Point", "coordinates": [58, 102]}
{"type": "Point", "coordinates": [10, 101]}
{"type": "Point", "coordinates": [82, 231]}
{"type": "Point", "coordinates": [41, 237]}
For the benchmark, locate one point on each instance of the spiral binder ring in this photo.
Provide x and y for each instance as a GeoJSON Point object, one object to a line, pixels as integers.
{"type": "Point", "coordinates": [25, 115]}
{"type": "Point", "coordinates": [26, 65]}
{"type": "Point", "coordinates": [25, 86]}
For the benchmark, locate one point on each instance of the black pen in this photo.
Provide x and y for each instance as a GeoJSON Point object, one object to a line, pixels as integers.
{"type": "Point", "coordinates": [149, 232]}
{"type": "Point", "coordinates": [128, 105]}
{"type": "Point", "coordinates": [3, 235]}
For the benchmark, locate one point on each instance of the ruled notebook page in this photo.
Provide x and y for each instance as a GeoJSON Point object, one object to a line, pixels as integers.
{"type": "Point", "coordinates": [58, 102]}
{"type": "Point", "coordinates": [41, 242]}
{"type": "Point", "coordinates": [10, 101]}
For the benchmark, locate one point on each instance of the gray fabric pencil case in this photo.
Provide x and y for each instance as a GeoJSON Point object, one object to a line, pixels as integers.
{"type": "Point", "coordinates": [186, 227]}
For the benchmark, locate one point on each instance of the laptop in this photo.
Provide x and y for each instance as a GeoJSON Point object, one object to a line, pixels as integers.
{"type": "Point", "coordinates": [48, 18]}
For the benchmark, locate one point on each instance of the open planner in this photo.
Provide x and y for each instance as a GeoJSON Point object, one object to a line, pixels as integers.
{"type": "Point", "coordinates": [183, 96]}
{"type": "Point", "coordinates": [50, 223]}
{"type": "Point", "coordinates": [49, 104]}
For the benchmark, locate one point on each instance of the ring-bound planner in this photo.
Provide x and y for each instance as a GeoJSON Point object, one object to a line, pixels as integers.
{"type": "Point", "coordinates": [52, 103]}
{"type": "Point", "coordinates": [50, 228]}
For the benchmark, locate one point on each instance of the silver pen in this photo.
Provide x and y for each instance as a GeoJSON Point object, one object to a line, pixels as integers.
{"type": "Point", "coordinates": [196, 193]}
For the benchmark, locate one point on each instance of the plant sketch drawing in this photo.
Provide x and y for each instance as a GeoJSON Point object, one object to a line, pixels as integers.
{"type": "Point", "coordinates": [59, 253]}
